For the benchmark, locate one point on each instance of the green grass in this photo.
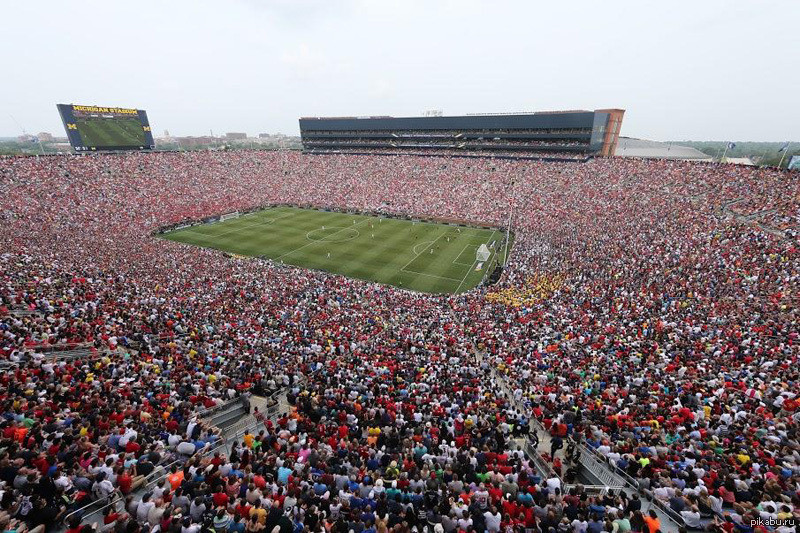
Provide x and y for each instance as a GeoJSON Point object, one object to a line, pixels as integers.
{"type": "Point", "coordinates": [111, 132]}
{"type": "Point", "coordinates": [421, 256]}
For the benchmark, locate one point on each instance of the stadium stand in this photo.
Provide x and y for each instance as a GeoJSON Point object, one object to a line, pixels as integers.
{"type": "Point", "coordinates": [564, 134]}
{"type": "Point", "coordinates": [634, 369]}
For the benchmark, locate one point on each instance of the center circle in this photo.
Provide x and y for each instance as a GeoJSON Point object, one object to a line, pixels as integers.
{"type": "Point", "coordinates": [332, 234]}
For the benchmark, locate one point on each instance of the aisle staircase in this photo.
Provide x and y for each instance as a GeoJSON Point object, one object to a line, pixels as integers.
{"type": "Point", "coordinates": [601, 477]}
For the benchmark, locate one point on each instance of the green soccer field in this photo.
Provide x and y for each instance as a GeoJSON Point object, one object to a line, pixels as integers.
{"type": "Point", "coordinates": [420, 256]}
{"type": "Point", "coordinates": [101, 132]}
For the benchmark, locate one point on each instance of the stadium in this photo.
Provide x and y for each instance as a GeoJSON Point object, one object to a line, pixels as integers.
{"type": "Point", "coordinates": [484, 322]}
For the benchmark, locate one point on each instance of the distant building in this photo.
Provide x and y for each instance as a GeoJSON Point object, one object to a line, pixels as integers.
{"type": "Point", "coordinates": [45, 137]}
{"type": "Point", "coordinates": [166, 134]}
{"type": "Point", "coordinates": [629, 147]}
{"type": "Point", "coordinates": [233, 136]}
{"type": "Point", "coordinates": [192, 142]}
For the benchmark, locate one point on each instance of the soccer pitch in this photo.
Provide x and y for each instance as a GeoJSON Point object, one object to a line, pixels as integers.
{"type": "Point", "coordinates": [101, 132]}
{"type": "Point", "coordinates": [420, 256]}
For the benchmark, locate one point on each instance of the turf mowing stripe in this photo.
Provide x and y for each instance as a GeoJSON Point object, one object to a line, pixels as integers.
{"type": "Point", "coordinates": [228, 223]}
{"type": "Point", "coordinates": [455, 261]}
{"type": "Point", "coordinates": [399, 254]}
{"type": "Point", "coordinates": [423, 251]}
{"type": "Point", "coordinates": [257, 240]}
{"type": "Point", "coordinates": [385, 256]}
{"type": "Point", "coordinates": [436, 263]}
{"type": "Point", "coordinates": [316, 242]}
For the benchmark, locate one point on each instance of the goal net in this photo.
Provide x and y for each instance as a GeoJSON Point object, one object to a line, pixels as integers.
{"type": "Point", "coordinates": [229, 216]}
{"type": "Point", "coordinates": [483, 253]}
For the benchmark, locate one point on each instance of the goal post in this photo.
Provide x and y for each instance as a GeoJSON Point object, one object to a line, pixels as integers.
{"type": "Point", "coordinates": [483, 254]}
{"type": "Point", "coordinates": [228, 216]}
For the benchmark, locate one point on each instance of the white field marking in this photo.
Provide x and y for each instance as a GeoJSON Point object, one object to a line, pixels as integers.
{"type": "Point", "coordinates": [473, 265]}
{"type": "Point", "coordinates": [429, 275]}
{"type": "Point", "coordinates": [317, 242]}
{"type": "Point", "coordinates": [423, 250]}
{"type": "Point", "coordinates": [461, 252]}
{"type": "Point", "coordinates": [358, 234]}
{"type": "Point", "coordinates": [426, 243]}
{"type": "Point", "coordinates": [239, 228]}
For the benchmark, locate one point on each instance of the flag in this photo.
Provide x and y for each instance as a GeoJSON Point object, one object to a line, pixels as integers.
{"type": "Point", "coordinates": [731, 146]}
{"type": "Point", "coordinates": [784, 147]}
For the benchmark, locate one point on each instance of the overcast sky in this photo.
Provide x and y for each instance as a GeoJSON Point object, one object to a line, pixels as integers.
{"type": "Point", "coordinates": [700, 69]}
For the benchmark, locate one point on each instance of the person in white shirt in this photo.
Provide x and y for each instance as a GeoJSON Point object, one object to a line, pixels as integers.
{"type": "Point", "coordinates": [481, 496]}
{"type": "Point", "coordinates": [144, 508]}
{"type": "Point", "coordinates": [493, 519]}
{"type": "Point", "coordinates": [691, 517]}
{"type": "Point", "coordinates": [579, 526]}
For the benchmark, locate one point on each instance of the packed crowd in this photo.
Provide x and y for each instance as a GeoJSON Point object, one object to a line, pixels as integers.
{"type": "Point", "coordinates": [642, 313]}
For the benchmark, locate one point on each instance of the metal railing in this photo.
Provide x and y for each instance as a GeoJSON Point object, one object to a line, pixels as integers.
{"type": "Point", "coordinates": [58, 356]}
{"type": "Point", "coordinates": [163, 472]}
{"type": "Point", "coordinates": [271, 413]}
{"type": "Point", "coordinates": [207, 412]}
{"type": "Point", "coordinates": [615, 478]}
{"type": "Point", "coordinates": [600, 490]}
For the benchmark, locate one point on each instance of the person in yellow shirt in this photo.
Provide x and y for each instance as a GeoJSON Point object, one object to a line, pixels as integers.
{"type": "Point", "coordinates": [743, 458]}
{"type": "Point", "coordinates": [259, 512]}
{"type": "Point", "coordinates": [372, 439]}
{"type": "Point", "coordinates": [248, 439]}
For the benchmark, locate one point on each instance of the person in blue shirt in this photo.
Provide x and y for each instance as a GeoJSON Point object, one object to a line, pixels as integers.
{"type": "Point", "coordinates": [236, 526]}
{"type": "Point", "coordinates": [597, 510]}
{"type": "Point", "coordinates": [368, 526]}
{"type": "Point", "coordinates": [320, 488]}
{"type": "Point", "coordinates": [283, 474]}
{"type": "Point", "coordinates": [595, 525]}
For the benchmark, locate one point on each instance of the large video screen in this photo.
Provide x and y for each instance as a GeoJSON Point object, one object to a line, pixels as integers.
{"type": "Point", "coordinates": [92, 128]}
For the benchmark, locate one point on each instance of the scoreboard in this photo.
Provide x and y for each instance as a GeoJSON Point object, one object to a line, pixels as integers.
{"type": "Point", "coordinates": [95, 128]}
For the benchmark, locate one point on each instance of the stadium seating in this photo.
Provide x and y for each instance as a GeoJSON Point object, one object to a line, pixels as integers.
{"type": "Point", "coordinates": [647, 319]}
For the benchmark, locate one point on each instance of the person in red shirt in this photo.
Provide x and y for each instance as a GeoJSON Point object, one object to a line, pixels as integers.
{"type": "Point", "coordinates": [242, 509]}
{"type": "Point", "coordinates": [509, 507]}
{"type": "Point", "coordinates": [124, 481]}
{"type": "Point", "coordinates": [133, 447]}
{"type": "Point", "coordinates": [495, 494]}
{"type": "Point", "coordinates": [220, 499]}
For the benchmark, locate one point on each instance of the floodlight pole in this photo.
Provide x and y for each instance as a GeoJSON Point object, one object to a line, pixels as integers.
{"type": "Point", "coordinates": [508, 234]}
{"type": "Point", "coordinates": [784, 155]}
{"type": "Point", "coordinates": [764, 158]}
{"type": "Point", "coordinates": [722, 159]}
